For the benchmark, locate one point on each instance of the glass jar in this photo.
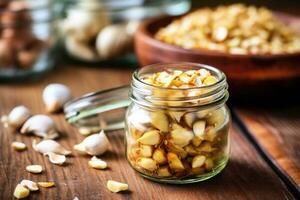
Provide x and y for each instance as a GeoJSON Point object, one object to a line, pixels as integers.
{"type": "Point", "coordinates": [177, 135]}
{"type": "Point", "coordinates": [94, 31]}
{"type": "Point", "coordinates": [173, 135]}
{"type": "Point", "coordinates": [26, 39]}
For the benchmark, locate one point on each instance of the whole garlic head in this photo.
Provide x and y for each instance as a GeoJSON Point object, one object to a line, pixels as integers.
{"type": "Point", "coordinates": [94, 145]}
{"type": "Point", "coordinates": [55, 95]}
{"type": "Point", "coordinates": [17, 117]}
{"type": "Point", "coordinates": [40, 125]}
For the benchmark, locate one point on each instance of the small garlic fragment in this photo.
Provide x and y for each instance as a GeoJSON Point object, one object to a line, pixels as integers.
{"type": "Point", "coordinates": [21, 192]}
{"type": "Point", "coordinates": [95, 144]}
{"type": "Point", "coordinates": [40, 125]}
{"type": "Point", "coordinates": [19, 146]}
{"type": "Point", "coordinates": [55, 95]}
{"type": "Point", "coordinates": [46, 146]}
{"type": "Point", "coordinates": [97, 163]}
{"type": "Point", "coordinates": [115, 186]}
{"type": "Point", "coordinates": [56, 158]}
{"type": "Point", "coordinates": [32, 186]}
{"type": "Point", "coordinates": [35, 169]}
{"type": "Point", "coordinates": [16, 117]}
{"type": "Point", "coordinates": [46, 184]}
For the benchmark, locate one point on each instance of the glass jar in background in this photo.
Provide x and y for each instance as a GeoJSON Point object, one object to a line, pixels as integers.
{"type": "Point", "coordinates": [26, 39]}
{"type": "Point", "coordinates": [96, 31]}
{"type": "Point", "coordinates": [177, 135]}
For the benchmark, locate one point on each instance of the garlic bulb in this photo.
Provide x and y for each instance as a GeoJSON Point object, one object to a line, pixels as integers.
{"type": "Point", "coordinates": [16, 117]}
{"type": "Point", "coordinates": [112, 41]}
{"type": "Point", "coordinates": [55, 95]}
{"type": "Point", "coordinates": [95, 144]}
{"type": "Point", "coordinates": [40, 125]}
{"type": "Point", "coordinates": [46, 146]}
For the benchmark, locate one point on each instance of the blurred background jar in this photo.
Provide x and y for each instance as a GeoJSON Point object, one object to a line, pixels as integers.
{"type": "Point", "coordinates": [26, 39]}
{"type": "Point", "coordinates": [95, 31]}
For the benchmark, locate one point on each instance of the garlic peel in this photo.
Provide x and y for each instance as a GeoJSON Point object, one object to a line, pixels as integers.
{"type": "Point", "coordinates": [40, 125]}
{"type": "Point", "coordinates": [56, 158]}
{"type": "Point", "coordinates": [46, 146]}
{"type": "Point", "coordinates": [55, 95]}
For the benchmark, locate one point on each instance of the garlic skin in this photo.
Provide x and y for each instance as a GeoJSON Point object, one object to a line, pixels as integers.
{"type": "Point", "coordinates": [112, 41]}
{"type": "Point", "coordinates": [94, 145]}
{"type": "Point", "coordinates": [46, 146]}
{"type": "Point", "coordinates": [55, 95]}
{"type": "Point", "coordinates": [40, 125]}
{"type": "Point", "coordinates": [16, 117]}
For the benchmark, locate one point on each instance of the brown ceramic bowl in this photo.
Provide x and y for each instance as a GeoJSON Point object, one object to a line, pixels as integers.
{"type": "Point", "coordinates": [257, 75]}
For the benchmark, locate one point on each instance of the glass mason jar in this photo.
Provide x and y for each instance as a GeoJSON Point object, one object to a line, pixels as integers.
{"type": "Point", "coordinates": [94, 31]}
{"type": "Point", "coordinates": [173, 135]}
{"type": "Point", "coordinates": [176, 135]}
{"type": "Point", "coordinates": [26, 40]}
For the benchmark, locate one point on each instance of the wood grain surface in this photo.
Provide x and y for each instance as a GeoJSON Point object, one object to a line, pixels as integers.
{"type": "Point", "coordinates": [246, 177]}
{"type": "Point", "coordinates": [276, 131]}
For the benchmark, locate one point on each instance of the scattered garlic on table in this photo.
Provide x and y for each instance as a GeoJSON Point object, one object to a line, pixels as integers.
{"type": "Point", "coordinates": [35, 169]}
{"type": "Point", "coordinates": [55, 95]}
{"type": "Point", "coordinates": [40, 125]}
{"type": "Point", "coordinates": [115, 186]}
{"type": "Point", "coordinates": [18, 146]}
{"type": "Point", "coordinates": [21, 192]}
{"type": "Point", "coordinates": [16, 117]}
{"type": "Point", "coordinates": [94, 145]}
{"type": "Point", "coordinates": [56, 158]}
{"type": "Point", "coordinates": [46, 146]}
{"type": "Point", "coordinates": [32, 186]}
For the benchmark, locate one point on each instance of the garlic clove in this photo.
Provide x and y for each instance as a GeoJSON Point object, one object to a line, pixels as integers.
{"type": "Point", "coordinates": [198, 161]}
{"type": "Point", "coordinates": [40, 125]}
{"type": "Point", "coordinates": [21, 192]}
{"type": "Point", "coordinates": [56, 158]}
{"type": "Point", "coordinates": [115, 186]}
{"type": "Point", "coordinates": [174, 162]}
{"type": "Point", "coordinates": [146, 150]}
{"type": "Point", "coordinates": [159, 156]}
{"type": "Point", "coordinates": [95, 144]}
{"type": "Point", "coordinates": [35, 169]}
{"type": "Point", "coordinates": [46, 146]}
{"type": "Point", "coordinates": [19, 146]}
{"type": "Point", "coordinates": [176, 115]}
{"type": "Point", "coordinates": [160, 121]}
{"type": "Point", "coordinates": [164, 171]}
{"type": "Point", "coordinates": [46, 184]}
{"type": "Point", "coordinates": [147, 163]}
{"type": "Point", "coordinates": [150, 138]}
{"type": "Point", "coordinates": [189, 119]}
{"type": "Point", "coordinates": [55, 95]}
{"type": "Point", "coordinates": [97, 163]}
{"type": "Point", "coordinates": [181, 136]}
{"type": "Point", "coordinates": [16, 117]}
{"type": "Point", "coordinates": [199, 128]}
{"type": "Point", "coordinates": [32, 186]}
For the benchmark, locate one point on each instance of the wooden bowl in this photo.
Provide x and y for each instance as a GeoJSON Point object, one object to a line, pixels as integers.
{"type": "Point", "coordinates": [257, 75]}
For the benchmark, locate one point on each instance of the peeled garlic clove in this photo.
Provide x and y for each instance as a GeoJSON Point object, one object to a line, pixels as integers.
{"type": "Point", "coordinates": [198, 161]}
{"type": "Point", "coordinates": [160, 121]}
{"type": "Point", "coordinates": [21, 192]}
{"type": "Point", "coordinates": [174, 162]}
{"type": "Point", "coordinates": [181, 136]}
{"type": "Point", "coordinates": [115, 186]}
{"type": "Point", "coordinates": [146, 150]}
{"type": "Point", "coordinates": [150, 138]}
{"type": "Point", "coordinates": [56, 158]}
{"type": "Point", "coordinates": [147, 163]}
{"type": "Point", "coordinates": [97, 163]}
{"type": "Point", "coordinates": [189, 119]}
{"type": "Point", "coordinates": [40, 125]}
{"type": "Point", "coordinates": [16, 117]}
{"type": "Point", "coordinates": [176, 115]}
{"type": "Point", "coordinates": [159, 156]}
{"type": "Point", "coordinates": [35, 169]}
{"type": "Point", "coordinates": [95, 144]}
{"type": "Point", "coordinates": [217, 118]}
{"type": "Point", "coordinates": [46, 146]}
{"type": "Point", "coordinates": [199, 128]}
{"type": "Point", "coordinates": [164, 171]}
{"type": "Point", "coordinates": [55, 95]}
{"type": "Point", "coordinates": [32, 186]}
{"type": "Point", "coordinates": [46, 184]}
{"type": "Point", "coordinates": [19, 146]}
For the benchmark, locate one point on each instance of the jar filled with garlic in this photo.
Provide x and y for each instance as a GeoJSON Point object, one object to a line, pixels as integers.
{"type": "Point", "coordinates": [95, 31]}
{"type": "Point", "coordinates": [177, 124]}
{"type": "Point", "coordinates": [27, 42]}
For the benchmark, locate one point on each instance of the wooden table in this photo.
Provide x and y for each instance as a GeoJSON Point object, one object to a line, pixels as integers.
{"type": "Point", "coordinates": [249, 174]}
